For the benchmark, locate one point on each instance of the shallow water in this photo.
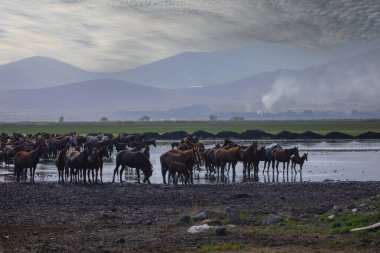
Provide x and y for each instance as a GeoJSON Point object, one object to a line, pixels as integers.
{"type": "Point", "coordinates": [339, 160]}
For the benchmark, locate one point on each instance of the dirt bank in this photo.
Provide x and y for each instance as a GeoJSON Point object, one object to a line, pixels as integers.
{"type": "Point", "coordinates": [46, 217]}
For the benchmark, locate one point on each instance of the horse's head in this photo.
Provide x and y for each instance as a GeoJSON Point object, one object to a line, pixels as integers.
{"type": "Point", "coordinates": [154, 143]}
{"type": "Point", "coordinates": [196, 156]}
{"type": "Point", "coordinates": [89, 155]}
{"type": "Point", "coordinates": [103, 151]}
{"type": "Point", "coordinates": [305, 156]}
{"type": "Point", "coordinates": [43, 146]}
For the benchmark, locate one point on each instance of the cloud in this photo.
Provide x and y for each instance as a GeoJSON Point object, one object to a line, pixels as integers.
{"type": "Point", "coordinates": [114, 35]}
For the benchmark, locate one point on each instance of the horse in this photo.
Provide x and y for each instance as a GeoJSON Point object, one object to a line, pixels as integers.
{"type": "Point", "coordinates": [10, 152]}
{"type": "Point", "coordinates": [298, 160]}
{"type": "Point", "coordinates": [24, 160]}
{"type": "Point", "coordinates": [252, 157]}
{"type": "Point", "coordinates": [142, 144]}
{"type": "Point", "coordinates": [230, 156]}
{"type": "Point", "coordinates": [103, 152]}
{"type": "Point", "coordinates": [2, 157]}
{"type": "Point", "coordinates": [284, 155]}
{"type": "Point", "coordinates": [179, 169]}
{"type": "Point", "coordinates": [268, 158]}
{"type": "Point", "coordinates": [120, 146]}
{"type": "Point", "coordinates": [60, 164]}
{"type": "Point", "coordinates": [187, 157]}
{"type": "Point", "coordinates": [78, 162]}
{"type": "Point", "coordinates": [136, 160]}
{"type": "Point", "coordinates": [97, 164]}
{"type": "Point", "coordinates": [209, 159]}
{"type": "Point", "coordinates": [174, 145]}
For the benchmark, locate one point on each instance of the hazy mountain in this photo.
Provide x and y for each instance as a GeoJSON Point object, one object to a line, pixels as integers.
{"type": "Point", "coordinates": [344, 86]}
{"type": "Point", "coordinates": [38, 72]}
{"type": "Point", "coordinates": [205, 68]}
{"type": "Point", "coordinates": [179, 71]}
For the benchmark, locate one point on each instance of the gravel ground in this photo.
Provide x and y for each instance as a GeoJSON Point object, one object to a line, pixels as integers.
{"type": "Point", "coordinates": [49, 217]}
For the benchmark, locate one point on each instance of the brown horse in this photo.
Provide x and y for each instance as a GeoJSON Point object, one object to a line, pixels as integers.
{"type": "Point", "coordinates": [252, 157]}
{"type": "Point", "coordinates": [97, 164]}
{"type": "Point", "coordinates": [188, 157]}
{"type": "Point", "coordinates": [102, 152]}
{"type": "Point", "coordinates": [79, 162]}
{"type": "Point", "coordinates": [60, 164]}
{"type": "Point", "coordinates": [24, 160]}
{"type": "Point", "coordinates": [299, 160]}
{"type": "Point", "coordinates": [284, 155]}
{"type": "Point", "coordinates": [136, 160]}
{"type": "Point", "coordinates": [228, 156]}
{"type": "Point", "coordinates": [179, 169]}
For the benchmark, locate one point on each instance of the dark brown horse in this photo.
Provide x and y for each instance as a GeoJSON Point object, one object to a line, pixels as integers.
{"type": "Point", "coordinates": [188, 157]}
{"type": "Point", "coordinates": [142, 144]}
{"type": "Point", "coordinates": [60, 164]}
{"type": "Point", "coordinates": [79, 162]}
{"type": "Point", "coordinates": [299, 160]}
{"type": "Point", "coordinates": [179, 170]}
{"type": "Point", "coordinates": [174, 145]}
{"type": "Point", "coordinates": [284, 155]}
{"type": "Point", "coordinates": [135, 160]}
{"type": "Point", "coordinates": [102, 152]}
{"type": "Point", "coordinates": [24, 160]}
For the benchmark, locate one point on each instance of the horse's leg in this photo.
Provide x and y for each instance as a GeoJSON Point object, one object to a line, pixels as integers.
{"type": "Point", "coordinates": [115, 171]}
{"type": "Point", "coordinates": [287, 167]}
{"type": "Point", "coordinates": [101, 173]}
{"type": "Point", "coordinates": [163, 172]}
{"type": "Point", "coordinates": [84, 176]}
{"type": "Point", "coordinates": [138, 175]}
{"type": "Point", "coordinates": [121, 173]}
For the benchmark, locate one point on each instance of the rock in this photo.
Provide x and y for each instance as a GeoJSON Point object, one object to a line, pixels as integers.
{"type": "Point", "coordinates": [306, 216]}
{"type": "Point", "coordinates": [233, 214]}
{"type": "Point", "coordinates": [121, 240]}
{"type": "Point", "coordinates": [273, 219]}
{"type": "Point", "coordinates": [185, 219]}
{"type": "Point", "coordinates": [331, 217]}
{"type": "Point", "coordinates": [373, 227]}
{"type": "Point", "coordinates": [200, 216]}
{"type": "Point", "coordinates": [215, 223]}
{"type": "Point", "coordinates": [199, 229]}
{"type": "Point", "coordinates": [219, 230]}
{"type": "Point", "coordinates": [336, 209]}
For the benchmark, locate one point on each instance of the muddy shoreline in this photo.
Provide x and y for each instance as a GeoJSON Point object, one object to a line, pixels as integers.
{"type": "Point", "coordinates": [48, 217]}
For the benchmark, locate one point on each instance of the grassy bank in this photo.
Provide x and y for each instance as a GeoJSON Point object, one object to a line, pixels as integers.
{"type": "Point", "coordinates": [352, 127]}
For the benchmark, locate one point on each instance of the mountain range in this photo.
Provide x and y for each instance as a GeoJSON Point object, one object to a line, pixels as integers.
{"type": "Point", "coordinates": [179, 71]}
{"type": "Point", "coordinates": [40, 88]}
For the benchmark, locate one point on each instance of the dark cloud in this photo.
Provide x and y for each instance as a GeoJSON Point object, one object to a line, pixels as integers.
{"type": "Point", "coordinates": [154, 29]}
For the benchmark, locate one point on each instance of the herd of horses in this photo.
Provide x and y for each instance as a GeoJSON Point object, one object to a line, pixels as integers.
{"type": "Point", "coordinates": [80, 158]}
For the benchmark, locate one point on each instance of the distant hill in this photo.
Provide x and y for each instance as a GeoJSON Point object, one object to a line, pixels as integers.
{"type": "Point", "coordinates": [39, 72]}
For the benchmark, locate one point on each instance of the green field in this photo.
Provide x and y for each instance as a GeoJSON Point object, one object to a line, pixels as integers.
{"type": "Point", "coordinates": [353, 127]}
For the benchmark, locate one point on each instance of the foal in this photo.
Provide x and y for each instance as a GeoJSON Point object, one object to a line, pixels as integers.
{"type": "Point", "coordinates": [298, 160]}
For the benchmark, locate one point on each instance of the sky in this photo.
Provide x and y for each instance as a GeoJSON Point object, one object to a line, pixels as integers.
{"type": "Point", "coordinates": [106, 35]}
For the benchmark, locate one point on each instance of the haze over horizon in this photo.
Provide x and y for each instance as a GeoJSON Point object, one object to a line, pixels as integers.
{"type": "Point", "coordinates": [283, 55]}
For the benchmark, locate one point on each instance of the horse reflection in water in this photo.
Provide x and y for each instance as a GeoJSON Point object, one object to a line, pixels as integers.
{"type": "Point", "coordinates": [275, 178]}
